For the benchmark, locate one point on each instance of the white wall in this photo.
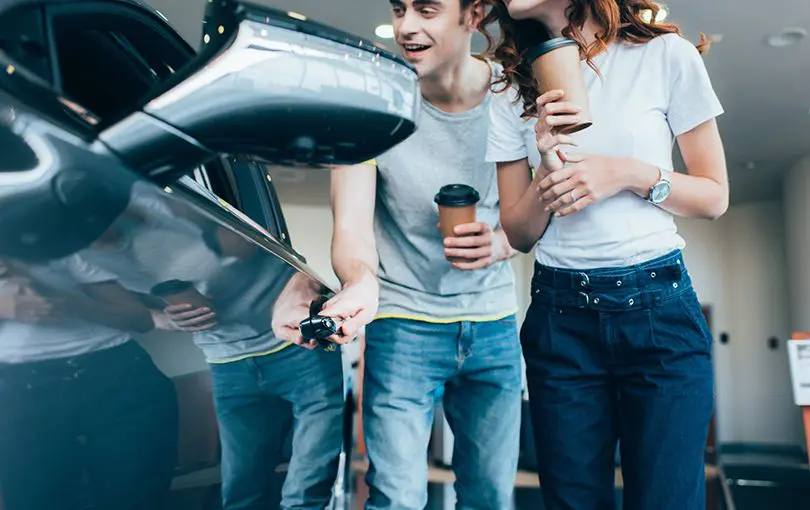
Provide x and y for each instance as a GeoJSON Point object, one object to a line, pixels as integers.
{"type": "Point", "coordinates": [797, 224]}
{"type": "Point", "coordinates": [738, 265]}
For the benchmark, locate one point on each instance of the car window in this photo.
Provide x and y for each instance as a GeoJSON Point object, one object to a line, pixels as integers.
{"type": "Point", "coordinates": [22, 37]}
{"type": "Point", "coordinates": [108, 59]}
{"type": "Point", "coordinates": [242, 184]}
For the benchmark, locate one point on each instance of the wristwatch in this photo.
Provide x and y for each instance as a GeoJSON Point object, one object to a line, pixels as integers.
{"type": "Point", "coordinates": [660, 190]}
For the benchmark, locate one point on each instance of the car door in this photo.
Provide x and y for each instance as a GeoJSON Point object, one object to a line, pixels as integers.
{"type": "Point", "coordinates": [71, 69]}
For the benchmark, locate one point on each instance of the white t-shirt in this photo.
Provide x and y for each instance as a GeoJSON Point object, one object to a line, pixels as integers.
{"type": "Point", "coordinates": [647, 95]}
{"type": "Point", "coordinates": [22, 342]}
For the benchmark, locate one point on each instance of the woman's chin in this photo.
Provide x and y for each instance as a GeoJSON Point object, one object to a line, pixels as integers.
{"type": "Point", "coordinates": [518, 13]}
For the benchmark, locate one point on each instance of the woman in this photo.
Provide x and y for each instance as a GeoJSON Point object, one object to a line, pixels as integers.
{"type": "Point", "coordinates": [615, 342]}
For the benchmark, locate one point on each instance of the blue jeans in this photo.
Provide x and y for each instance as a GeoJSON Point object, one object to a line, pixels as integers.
{"type": "Point", "coordinates": [258, 400]}
{"type": "Point", "coordinates": [477, 368]}
{"type": "Point", "coordinates": [619, 354]}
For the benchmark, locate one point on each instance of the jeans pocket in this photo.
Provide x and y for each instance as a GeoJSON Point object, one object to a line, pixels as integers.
{"type": "Point", "coordinates": [690, 305]}
{"type": "Point", "coordinates": [679, 322]}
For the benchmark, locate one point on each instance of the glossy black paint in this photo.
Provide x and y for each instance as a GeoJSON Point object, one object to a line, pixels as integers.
{"type": "Point", "coordinates": [97, 210]}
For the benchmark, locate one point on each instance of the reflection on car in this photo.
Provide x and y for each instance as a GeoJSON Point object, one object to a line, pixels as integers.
{"type": "Point", "coordinates": [144, 254]}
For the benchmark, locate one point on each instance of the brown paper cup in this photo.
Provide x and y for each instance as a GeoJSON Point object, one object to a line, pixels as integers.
{"type": "Point", "coordinates": [176, 292]}
{"type": "Point", "coordinates": [557, 65]}
{"type": "Point", "coordinates": [457, 206]}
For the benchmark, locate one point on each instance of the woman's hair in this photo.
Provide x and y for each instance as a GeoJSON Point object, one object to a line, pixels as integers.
{"type": "Point", "coordinates": [619, 19]}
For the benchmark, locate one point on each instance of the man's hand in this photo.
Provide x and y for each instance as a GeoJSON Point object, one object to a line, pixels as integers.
{"type": "Point", "coordinates": [478, 244]}
{"type": "Point", "coordinates": [355, 305]}
{"type": "Point", "coordinates": [292, 307]}
{"type": "Point", "coordinates": [186, 318]}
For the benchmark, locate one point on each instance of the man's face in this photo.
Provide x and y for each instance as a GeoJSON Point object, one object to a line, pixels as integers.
{"type": "Point", "coordinates": [433, 34]}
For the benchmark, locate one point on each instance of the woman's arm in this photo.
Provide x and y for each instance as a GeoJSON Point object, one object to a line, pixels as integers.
{"type": "Point", "coordinates": [704, 191]}
{"type": "Point", "coordinates": [523, 218]}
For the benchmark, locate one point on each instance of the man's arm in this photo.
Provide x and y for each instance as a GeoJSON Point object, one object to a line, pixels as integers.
{"type": "Point", "coordinates": [354, 249]}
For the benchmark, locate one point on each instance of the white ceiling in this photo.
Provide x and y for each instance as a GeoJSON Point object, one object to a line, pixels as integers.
{"type": "Point", "coordinates": [765, 91]}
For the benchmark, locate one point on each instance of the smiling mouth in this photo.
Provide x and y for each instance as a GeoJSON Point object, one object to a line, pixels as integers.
{"type": "Point", "coordinates": [415, 48]}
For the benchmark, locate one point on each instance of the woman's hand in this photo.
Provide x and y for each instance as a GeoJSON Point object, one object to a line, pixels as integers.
{"type": "Point", "coordinates": [585, 180]}
{"type": "Point", "coordinates": [552, 113]}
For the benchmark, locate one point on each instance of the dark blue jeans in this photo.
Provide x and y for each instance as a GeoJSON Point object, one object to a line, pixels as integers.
{"type": "Point", "coordinates": [476, 367]}
{"type": "Point", "coordinates": [100, 428]}
{"type": "Point", "coordinates": [619, 355]}
{"type": "Point", "coordinates": [259, 401]}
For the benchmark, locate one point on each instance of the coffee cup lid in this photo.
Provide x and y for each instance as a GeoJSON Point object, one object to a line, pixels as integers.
{"type": "Point", "coordinates": [457, 195]}
{"type": "Point", "coordinates": [546, 47]}
{"type": "Point", "coordinates": [170, 287]}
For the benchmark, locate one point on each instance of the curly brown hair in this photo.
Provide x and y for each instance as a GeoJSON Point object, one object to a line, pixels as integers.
{"type": "Point", "coordinates": [619, 19]}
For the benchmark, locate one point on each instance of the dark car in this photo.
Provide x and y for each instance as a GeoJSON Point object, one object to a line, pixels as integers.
{"type": "Point", "coordinates": [133, 179]}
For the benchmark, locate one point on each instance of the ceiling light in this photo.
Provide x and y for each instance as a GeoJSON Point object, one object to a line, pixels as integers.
{"type": "Point", "coordinates": [384, 32]}
{"type": "Point", "coordinates": [296, 15]}
{"type": "Point", "coordinates": [663, 12]}
{"type": "Point", "coordinates": [787, 37]}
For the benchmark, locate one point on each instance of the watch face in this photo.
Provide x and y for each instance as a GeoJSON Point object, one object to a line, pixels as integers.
{"type": "Point", "coordinates": [660, 192]}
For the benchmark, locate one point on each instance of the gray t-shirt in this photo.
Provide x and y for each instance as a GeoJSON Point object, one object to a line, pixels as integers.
{"type": "Point", "coordinates": [416, 280]}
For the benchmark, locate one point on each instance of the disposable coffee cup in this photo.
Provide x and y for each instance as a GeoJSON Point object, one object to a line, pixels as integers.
{"type": "Point", "coordinates": [177, 292]}
{"type": "Point", "coordinates": [556, 65]}
{"type": "Point", "coordinates": [457, 206]}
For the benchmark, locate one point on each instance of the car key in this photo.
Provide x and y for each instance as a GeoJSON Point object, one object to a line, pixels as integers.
{"type": "Point", "coordinates": [318, 327]}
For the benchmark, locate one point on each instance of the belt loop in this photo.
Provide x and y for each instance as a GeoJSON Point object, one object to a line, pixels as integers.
{"type": "Point", "coordinates": [641, 277]}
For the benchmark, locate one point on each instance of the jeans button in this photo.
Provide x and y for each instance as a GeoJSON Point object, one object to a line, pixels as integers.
{"type": "Point", "coordinates": [619, 283]}
{"type": "Point", "coordinates": [652, 275]}
{"type": "Point", "coordinates": [675, 285]}
{"type": "Point", "coordinates": [596, 301]}
{"type": "Point", "coordinates": [631, 302]}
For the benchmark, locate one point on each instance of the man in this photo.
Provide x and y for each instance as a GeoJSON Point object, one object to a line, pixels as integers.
{"type": "Point", "coordinates": [441, 328]}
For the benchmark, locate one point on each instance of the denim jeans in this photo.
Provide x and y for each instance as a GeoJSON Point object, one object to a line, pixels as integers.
{"type": "Point", "coordinates": [258, 401]}
{"type": "Point", "coordinates": [619, 354]}
{"type": "Point", "coordinates": [476, 366]}
{"type": "Point", "coordinates": [98, 429]}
